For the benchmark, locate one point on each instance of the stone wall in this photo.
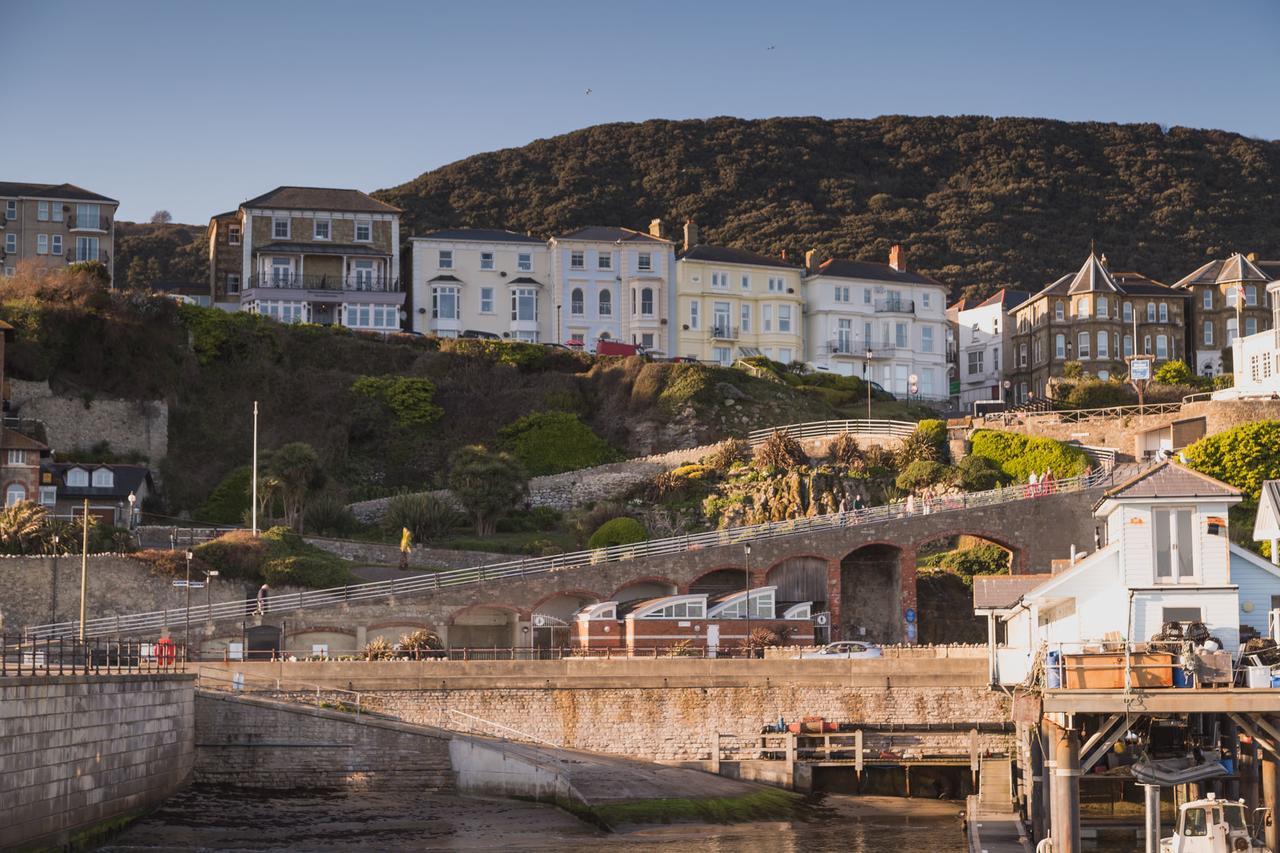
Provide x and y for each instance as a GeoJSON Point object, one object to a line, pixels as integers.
{"type": "Point", "coordinates": [82, 754]}
{"type": "Point", "coordinates": [129, 426]}
{"type": "Point", "coordinates": [1124, 432]}
{"type": "Point", "coordinates": [257, 743]}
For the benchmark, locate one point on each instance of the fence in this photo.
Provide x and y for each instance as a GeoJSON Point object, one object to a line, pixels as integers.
{"type": "Point", "coordinates": [99, 656]}
{"type": "Point", "coordinates": [826, 429]}
{"type": "Point", "coordinates": [1075, 416]}
{"type": "Point", "coordinates": [345, 595]}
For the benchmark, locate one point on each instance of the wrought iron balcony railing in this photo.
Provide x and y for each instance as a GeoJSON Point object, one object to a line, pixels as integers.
{"type": "Point", "coordinates": [345, 283]}
{"type": "Point", "coordinates": [724, 332]}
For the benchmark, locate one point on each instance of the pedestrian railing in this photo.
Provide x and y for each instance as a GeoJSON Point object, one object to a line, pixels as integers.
{"type": "Point", "coordinates": [133, 623]}
{"type": "Point", "coordinates": [476, 725]}
{"type": "Point", "coordinates": [1073, 416]}
{"type": "Point", "coordinates": [95, 656]}
{"type": "Point", "coordinates": [827, 429]}
{"type": "Point", "coordinates": [238, 682]}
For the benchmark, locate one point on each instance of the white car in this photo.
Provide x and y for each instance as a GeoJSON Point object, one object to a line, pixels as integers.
{"type": "Point", "coordinates": [846, 649]}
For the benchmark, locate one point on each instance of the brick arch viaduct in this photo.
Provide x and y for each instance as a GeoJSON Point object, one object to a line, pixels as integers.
{"type": "Point", "coordinates": [869, 569]}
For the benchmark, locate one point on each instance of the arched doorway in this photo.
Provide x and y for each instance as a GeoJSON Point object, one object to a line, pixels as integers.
{"type": "Point", "coordinates": [719, 582]}
{"type": "Point", "coordinates": [945, 568]}
{"type": "Point", "coordinates": [641, 589]}
{"type": "Point", "coordinates": [553, 617]}
{"type": "Point", "coordinates": [871, 594]}
{"type": "Point", "coordinates": [483, 627]}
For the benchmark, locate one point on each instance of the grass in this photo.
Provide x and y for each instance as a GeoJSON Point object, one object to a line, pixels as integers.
{"type": "Point", "coordinates": [765, 804]}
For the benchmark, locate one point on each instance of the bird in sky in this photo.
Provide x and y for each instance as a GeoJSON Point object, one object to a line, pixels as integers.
{"type": "Point", "coordinates": [588, 91]}
{"type": "Point", "coordinates": [771, 47]}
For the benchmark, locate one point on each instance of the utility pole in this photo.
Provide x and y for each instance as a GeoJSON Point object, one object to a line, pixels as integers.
{"type": "Point", "coordinates": [253, 505]}
{"type": "Point", "coordinates": [186, 641]}
{"type": "Point", "coordinates": [53, 600]}
{"type": "Point", "coordinates": [746, 550]}
{"type": "Point", "coordinates": [84, 565]}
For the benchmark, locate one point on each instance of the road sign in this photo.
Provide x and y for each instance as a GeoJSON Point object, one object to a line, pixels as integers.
{"type": "Point", "coordinates": [1140, 369]}
{"type": "Point", "coordinates": [189, 584]}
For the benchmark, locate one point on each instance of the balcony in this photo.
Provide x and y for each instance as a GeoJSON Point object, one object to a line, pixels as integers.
{"type": "Point", "coordinates": [74, 258]}
{"type": "Point", "coordinates": [101, 225]}
{"type": "Point", "coordinates": [858, 347]}
{"type": "Point", "coordinates": [724, 332]}
{"type": "Point", "coordinates": [328, 283]}
{"type": "Point", "coordinates": [895, 306]}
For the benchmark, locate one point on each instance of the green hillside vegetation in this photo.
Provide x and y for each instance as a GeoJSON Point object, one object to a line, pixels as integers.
{"type": "Point", "coordinates": [980, 203]}
{"type": "Point", "coordinates": [148, 254]}
{"type": "Point", "coordinates": [1244, 457]}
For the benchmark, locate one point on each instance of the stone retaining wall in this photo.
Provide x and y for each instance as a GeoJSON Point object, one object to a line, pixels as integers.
{"type": "Point", "coordinates": [389, 555]}
{"type": "Point", "coordinates": [82, 754]}
{"type": "Point", "coordinates": [256, 743]}
{"type": "Point", "coordinates": [129, 426]}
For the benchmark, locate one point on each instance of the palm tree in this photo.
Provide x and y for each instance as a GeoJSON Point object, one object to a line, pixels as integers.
{"type": "Point", "coordinates": [22, 528]}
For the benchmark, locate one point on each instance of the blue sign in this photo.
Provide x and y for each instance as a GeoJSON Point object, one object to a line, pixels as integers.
{"type": "Point", "coordinates": [911, 614]}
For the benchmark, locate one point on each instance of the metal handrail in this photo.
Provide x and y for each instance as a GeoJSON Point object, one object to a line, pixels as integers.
{"type": "Point", "coordinates": [452, 712]}
{"type": "Point", "coordinates": [825, 429]}
{"type": "Point", "coordinates": [1068, 416]}
{"type": "Point", "coordinates": [520, 568]}
{"type": "Point", "coordinates": [277, 683]}
{"type": "Point", "coordinates": [349, 283]}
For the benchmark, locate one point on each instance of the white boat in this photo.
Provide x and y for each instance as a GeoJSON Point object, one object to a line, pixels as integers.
{"type": "Point", "coordinates": [1216, 826]}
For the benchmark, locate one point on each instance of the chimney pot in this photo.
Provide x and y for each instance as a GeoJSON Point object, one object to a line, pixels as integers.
{"type": "Point", "coordinates": [691, 236]}
{"type": "Point", "coordinates": [811, 259]}
{"type": "Point", "coordinates": [897, 258]}
{"type": "Point", "coordinates": [655, 228]}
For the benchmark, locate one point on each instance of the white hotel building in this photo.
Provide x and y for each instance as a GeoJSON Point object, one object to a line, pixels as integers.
{"type": "Point", "coordinates": [881, 321]}
{"type": "Point", "coordinates": [614, 283]}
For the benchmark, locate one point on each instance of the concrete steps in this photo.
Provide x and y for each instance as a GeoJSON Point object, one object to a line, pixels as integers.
{"type": "Point", "coordinates": [995, 793]}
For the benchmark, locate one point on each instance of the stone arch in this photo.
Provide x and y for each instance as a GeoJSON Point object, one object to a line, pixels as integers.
{"type": "Point", "coordinates": [645, 586]}
{"type": "Point", "coordinates": [560, 606]}
{"type": "Point", "coordinates": [719, 580]}
{"type": "Point", "coordinates": [340, 639]}
{"type": "Point", "coordinates": [871, 592]}
{"type": "Point", "coordinates": [1017, 553]}
{"type": "Point", "coordinates": [484, 626]}
{"type": "Point", "coordinates": [801, 577]}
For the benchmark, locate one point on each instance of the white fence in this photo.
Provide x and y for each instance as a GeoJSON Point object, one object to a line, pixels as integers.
{"type": "Point", "coordinates": [128, 624]}
{"type": "Point", "coordinates": [827, 429]}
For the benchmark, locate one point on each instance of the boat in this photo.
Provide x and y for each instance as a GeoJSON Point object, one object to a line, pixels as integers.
{"type": "Point", "coordinates": [1168, 772]}
{"type": "Point", "coordinates": [1216, 826]}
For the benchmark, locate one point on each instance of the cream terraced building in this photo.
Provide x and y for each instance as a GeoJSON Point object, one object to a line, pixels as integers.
{"type": "Point", "coordinates": [482, 280]}
{"type": "Point", "coordinates": [733, 304]}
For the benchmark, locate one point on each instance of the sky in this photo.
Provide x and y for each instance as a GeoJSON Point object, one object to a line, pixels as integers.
{"type": "Point", "coordinates": [194, 107]}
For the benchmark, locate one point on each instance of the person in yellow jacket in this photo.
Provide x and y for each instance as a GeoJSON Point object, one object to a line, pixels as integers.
{"type": "Point", "coordinates": [405, 542]}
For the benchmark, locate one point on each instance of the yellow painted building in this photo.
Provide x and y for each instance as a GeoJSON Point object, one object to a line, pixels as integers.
{"type": "Point", "coordinates": [733, 304]}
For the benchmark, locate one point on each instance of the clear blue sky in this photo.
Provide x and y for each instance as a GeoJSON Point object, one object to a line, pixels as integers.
{"type": "Point", "coordinates": [194, 107]}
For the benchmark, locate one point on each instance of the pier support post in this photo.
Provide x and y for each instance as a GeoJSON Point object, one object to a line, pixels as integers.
{"type": "Point", "coordinates": [1037, 793]}
{"type": "Point", "coordinates": [1066, 791]}
{"type": "Point", "coordinates": [1249, 774]}
{"type": "Point", "coordinates": [1151, 797]}
{"type": "Point", "coordinates": [1271, 795]}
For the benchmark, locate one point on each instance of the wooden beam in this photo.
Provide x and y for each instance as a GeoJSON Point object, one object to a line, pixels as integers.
{"type": "Point", "coordinates": [1245, 723]}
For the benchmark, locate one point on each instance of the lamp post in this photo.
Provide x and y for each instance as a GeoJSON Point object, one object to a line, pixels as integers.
{"type": "Point", "coordinates": [53, 598]}
{"type": "Point", "coordinates": [746, 551]}
{"type": "Point", "coordinates": [133, 500]}
{"type": "Point", "coordinates": [187, 639]}
{"type": "Point", "coordinates": [866, 379]}
{"type": "Point", "coordinates": [84, 564]}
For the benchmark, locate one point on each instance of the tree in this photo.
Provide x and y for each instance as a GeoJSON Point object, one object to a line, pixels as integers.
{"type": "Point", "coordinates": [297, 468]}
{"type": "Point", "coordinates": [487, 484]}
{"type": "Point", "coordinates": [551, 442]}
{"type": "Point", "coordinates": [153, 273]}
{"type": "Point", "coordinates": [135, 276]}
{"type": "Point", "coordinates": [22, 528]}
{"type": "Point", "coordinates": [1174, 372]}
{"type": "Point", "coordinates": [161, 217]}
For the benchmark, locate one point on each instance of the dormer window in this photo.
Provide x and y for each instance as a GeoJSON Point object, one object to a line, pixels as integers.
{"type": "Point", "coordinates": [78, 478]}
{"type": "Point", "coordinates": [104, 478]}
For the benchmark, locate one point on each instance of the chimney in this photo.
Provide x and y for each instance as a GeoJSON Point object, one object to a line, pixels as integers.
{"type": "Point", "coordinates": [691, 237]}
{"type": "Point", "coordinates": [897, 258]}
{"type": "Point", "coordinates": [784, 254]}
{"type": "Point", "coordinates": [811, 259]}
{"type": "Point", "coordinates": [655, 228]}
{"type": "Point", "coordinates": [1251, 257]}
{"type": "Point", "coordinates": [1103, 260]}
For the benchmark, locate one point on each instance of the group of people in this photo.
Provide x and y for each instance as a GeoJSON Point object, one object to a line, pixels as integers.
{"type": "Point", "coordinates": [1041, 484]}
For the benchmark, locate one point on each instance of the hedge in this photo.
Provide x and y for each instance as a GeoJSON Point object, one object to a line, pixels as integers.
{"type": "Point", "coordinates": [551, 442]}
{"type": "Point", "coordinates": [1019, 456]}
{"type": "Point", "coordinates": [276, 556]}
{"type": "Point", "coordinates": [1243, 456]}
{"type": "Point", "coordinates": [618, 531]}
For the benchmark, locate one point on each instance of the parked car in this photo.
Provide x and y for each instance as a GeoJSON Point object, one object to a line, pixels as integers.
{"type": "Point", "coordinates": [877, 390]}
{"type": "Point", "coordinates": [477, 334]}
{"type": "Point", "coordinates": [846, 650]}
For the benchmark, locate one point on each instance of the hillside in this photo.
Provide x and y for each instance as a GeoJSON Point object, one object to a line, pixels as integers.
{"type": "Point", "coordinates": [148, 254]}
{"type": "Point", "coordinates": [980, 203]}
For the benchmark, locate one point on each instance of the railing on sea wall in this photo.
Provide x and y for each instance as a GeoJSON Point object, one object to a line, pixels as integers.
{"type": "Point", "coordinates": [827, 429]}
{"type": "Point", "coordinates": [344, 595]}
{"type": "Point", "coordinates": [93, 656]}
{"type": "Point", "coordinates": [1074, 416]}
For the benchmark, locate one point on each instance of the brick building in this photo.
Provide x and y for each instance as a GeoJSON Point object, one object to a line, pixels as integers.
{"type": "Point", "coordinates": [1096, 317]}
{"type": "Point", "coordinates": [1228, 301]}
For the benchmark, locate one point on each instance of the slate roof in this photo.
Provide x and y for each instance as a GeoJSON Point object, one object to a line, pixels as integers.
{"type": "Point", "coordinates": [1235, 268]}
{"type": "Point", "coordinates": [1169, 480]}
{"type": "Point", "coordinates": [524, 279]}
{"type": "Point", "coordinates": [996, 592]}
{"type": "Point", "coordinates": [1271, 269]}
{"type": "Point", "coordinates": [321, 249]}
{"type": "Point", "coordinates": [1093, 277]}
{"type": "Point", "coordinates": [15, 189]}
{"type": "Point", "coordinates": [726, 255]}
{"type": "Point", "coordinates": [13, 440]}
{"type": "Point", "coordinates": [1137, 284]}
{"type": "Point", "coordinates": [445, 277]}
{"type": "Point", "coordinates": [1006, 297]}
{"type": "Point", "coordinates": [609, 234]}
{"type": "Point", "coordinates": [872, 271]}
{"type": "Point", "coordinates": [320, 198]}
{"type": "Point", "coordinates": [482, 235]}
{"type": "Point", "coordinates": [127, 478]}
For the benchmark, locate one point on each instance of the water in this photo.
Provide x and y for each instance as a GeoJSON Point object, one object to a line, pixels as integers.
{"type": "Point", "coordinates": [210, 819]}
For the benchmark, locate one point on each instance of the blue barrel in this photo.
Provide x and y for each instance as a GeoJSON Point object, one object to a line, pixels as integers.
{"type": "Point", "coordinates": [1180, 677]}
{"type": "Point", "coordinates": [1053, 671]}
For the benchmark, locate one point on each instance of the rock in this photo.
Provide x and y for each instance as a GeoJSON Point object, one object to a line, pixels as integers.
{"type": "Point", "coordinates": [731, 392]}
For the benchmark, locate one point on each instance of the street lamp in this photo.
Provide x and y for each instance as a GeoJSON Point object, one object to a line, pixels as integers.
{"type": "Point", "coordinates": [866, 379]}
{"type": "Point", "coordinates": [133, 499]}
{"type": "Point", "coordinates": [53, 603]}
{"type": "Point", "coordinates": [187, 640]}
{"type": "Point", "coordinates": [746, 551]}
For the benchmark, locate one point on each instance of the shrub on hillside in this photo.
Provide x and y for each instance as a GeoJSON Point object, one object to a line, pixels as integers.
{"type": "Point", "coordinates": [844, 450]}
{"type": "Point", "coordinates": [1018, 455]}
{"type": "Point", "coordinates": [551, 442]}
{"type": "Point", "coordinates": [426, 517]}
{"type": "Point", "coordinates": [985, 558]}
{"type": "Point", "coordinates": [327, 515]}
{"type": "Point", "coordinates": [229, 500]}
{"type": "Point", "coordinates": [408, 398]}
{"type": "Point", "coordinates": [781, 450]}
{"type": "Point", "coordinates": [727, 454]}
{"type": "Point", "coordinates": [238, 555]}
{"type": "Point", "coordinates": [304, 570]}
{"type": "Point", "coordinates": [979, 474]}
{"type": "Point", "coordinates": [1174, 372]}
{"type": "Point", "coordinates": [618, 531]}
{"type": "Point", "coordinates": [487, 484]}
{"type": "Point", "coordinates": [1244, 456]}
{"type": "Point", "coordinates": [922, 474]}
{"type": "Point", "coordinates": [1096, 394]}
{"type": "Point", "coordinates": [927, 443]}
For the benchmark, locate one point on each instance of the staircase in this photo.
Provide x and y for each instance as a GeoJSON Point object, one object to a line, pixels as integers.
{"type": "Point", "coordinates": [995, 795]}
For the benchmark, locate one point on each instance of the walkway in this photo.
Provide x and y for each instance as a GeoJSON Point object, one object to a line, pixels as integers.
{"type": "Point", "coordinates": [991, 832]}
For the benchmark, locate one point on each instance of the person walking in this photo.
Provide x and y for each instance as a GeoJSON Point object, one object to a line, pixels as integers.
{"type": "Point", "coordinates": [264, 592]}
{"type": "Point", "coordinates": [842, 512]}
